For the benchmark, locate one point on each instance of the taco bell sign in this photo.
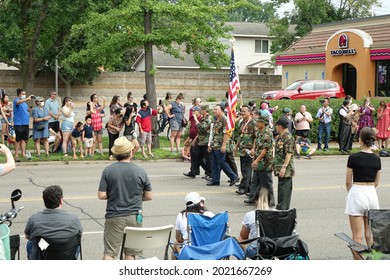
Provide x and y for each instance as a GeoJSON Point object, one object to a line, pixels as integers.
{"type": "Point", "coordinates": [343, 46]}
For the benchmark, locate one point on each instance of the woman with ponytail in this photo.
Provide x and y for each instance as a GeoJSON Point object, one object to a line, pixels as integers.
{"type": "Point", "coordinates": [363, 172]}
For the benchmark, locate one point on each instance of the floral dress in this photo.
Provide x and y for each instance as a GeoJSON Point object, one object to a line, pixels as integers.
{"type": "Point", "coordinates": [366, 119]}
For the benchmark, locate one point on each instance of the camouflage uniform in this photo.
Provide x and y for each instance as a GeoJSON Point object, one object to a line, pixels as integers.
{"type": "Point", "coordinates": [262, 175]}
{"type": "Point", "coordinates": [246, 136]}
{"type": "Point", "coordinates": [284, 145]}
{"type": "Point", "coordinates": [219, 158]}
{"type": "Point", "coordinates": [201, 148]}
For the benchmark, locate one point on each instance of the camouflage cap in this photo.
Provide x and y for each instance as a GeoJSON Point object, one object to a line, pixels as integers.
{"type": "Point", "coordinates": [204, 107]}
{"type": "Point", "coordinates": [263, 119]}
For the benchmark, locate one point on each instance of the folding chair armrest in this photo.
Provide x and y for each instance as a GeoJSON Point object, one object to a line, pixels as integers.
{"type": "Point", "coordinates": [359, 248]}
{"type": "Point", "coordinates": [247, 241]}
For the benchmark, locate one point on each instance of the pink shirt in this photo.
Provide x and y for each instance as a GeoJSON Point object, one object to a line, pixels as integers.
{"type": "Point", "coordinates": [301, 123]}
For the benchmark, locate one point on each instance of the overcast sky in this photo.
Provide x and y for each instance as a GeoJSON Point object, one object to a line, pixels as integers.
{"type": "Point", "coordinates": [379, 11]}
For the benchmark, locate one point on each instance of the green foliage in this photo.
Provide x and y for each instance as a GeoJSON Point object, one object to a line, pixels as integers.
{"type": "Point", "coordinates": [34, 32]}
{"type": "Point", "coordinates": [303, 18]}
{"type": "Point", "coordinates": [254, 11]}
{"type": "Point", "coordinates": [211, 99]}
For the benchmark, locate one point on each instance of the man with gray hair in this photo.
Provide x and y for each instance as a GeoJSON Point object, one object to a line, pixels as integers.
{"type": "Point", "coordinates": [125, 186]}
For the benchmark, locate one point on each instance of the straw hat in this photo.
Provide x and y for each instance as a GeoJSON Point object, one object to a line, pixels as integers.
{"type": "Point", "coordinates": [122, 146]}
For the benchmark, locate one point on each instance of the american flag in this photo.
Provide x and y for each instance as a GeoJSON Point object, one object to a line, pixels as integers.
{"type": "Point", "coordinates": [234, 87]}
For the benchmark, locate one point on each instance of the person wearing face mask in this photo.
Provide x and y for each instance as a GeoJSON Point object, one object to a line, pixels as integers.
{"type": "Point", "coordinates": [21, 122]}
{"type": "Point", "coordinates": [175, 112]}
{"type": "Point", "coordinates": [41, 119]}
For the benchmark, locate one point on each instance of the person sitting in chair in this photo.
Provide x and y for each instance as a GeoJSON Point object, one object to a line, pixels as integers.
{"type": "Point", "coordinates": [52, 223]}
{"type": "Point", "coordinates": [304, 144]}
{"type": "Point", "coordinates": [248, 229]}
{"type": "Point", "coordinates": [194, 204]}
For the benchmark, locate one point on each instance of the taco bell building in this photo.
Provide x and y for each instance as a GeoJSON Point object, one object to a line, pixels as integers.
{"type": "Point", "coordinates": [354, 53]}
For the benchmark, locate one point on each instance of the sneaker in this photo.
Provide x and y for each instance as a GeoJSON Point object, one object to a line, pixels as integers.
{"type": "Point", "coordinates": [144, 155]}
{"type": "Point", "coordinates": [151, 155]}
{"type": "Point", "coordinates": [308, 157]}
{"type": "Point", "coordinates": [298, 156]}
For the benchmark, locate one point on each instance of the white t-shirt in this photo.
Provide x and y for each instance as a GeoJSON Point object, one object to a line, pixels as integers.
{"type": "Point", "coordinates": [181, 223]}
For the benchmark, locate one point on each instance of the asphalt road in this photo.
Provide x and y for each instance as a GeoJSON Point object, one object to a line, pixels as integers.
{"type": "Point", "coordinates": [318, 195]}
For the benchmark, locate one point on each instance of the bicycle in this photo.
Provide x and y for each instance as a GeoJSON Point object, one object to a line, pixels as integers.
{"type": "Point", "coordinates": [10, 244]}
{"type": "Point", "coordinates": [161, 126]}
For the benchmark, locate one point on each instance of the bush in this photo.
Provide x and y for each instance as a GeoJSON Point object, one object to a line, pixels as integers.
{"type": "Point", "coordinates": [312, 106]}
{"type": "Point", "coordinates": [211, 99]}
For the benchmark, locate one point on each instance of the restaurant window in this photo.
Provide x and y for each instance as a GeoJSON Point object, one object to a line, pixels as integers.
{"type": "Point", "coordinates": [382, 78]}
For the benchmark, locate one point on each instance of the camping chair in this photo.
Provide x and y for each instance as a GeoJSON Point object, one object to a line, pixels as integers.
{"type": "Point", "coordinates": [276, 238]}
{"type": "Point", "coordinates": [57, 249]}
{"type": "Point", "coordinates": [146, 238]}
{"type": "Point", "coordinates": [208, 239]}
{"type": "Point", "coordinates": [379, 223]}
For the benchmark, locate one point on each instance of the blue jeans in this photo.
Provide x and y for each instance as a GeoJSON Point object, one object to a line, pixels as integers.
{"type": "Point", "coordinates": [219, 162]}
{"type": "Point", "coordinates": [323, 130]}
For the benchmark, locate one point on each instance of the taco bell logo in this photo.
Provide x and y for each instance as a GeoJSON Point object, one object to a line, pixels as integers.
{"type": "Point", "coordinates": [343, 41]}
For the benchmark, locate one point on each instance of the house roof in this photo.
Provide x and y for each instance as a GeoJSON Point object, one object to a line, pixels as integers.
{"type": "Point", "coordinates": [377, 27]}
{"type": "Point", "coordinates": [265, 63]}
{"type": "Point", "coordinates": [240, 29]}
{"type": "Point", "coordinates": [249, 29]}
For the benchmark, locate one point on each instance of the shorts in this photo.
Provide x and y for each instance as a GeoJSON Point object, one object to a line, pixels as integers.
{"type": "Point", "coordinates": [146, 138]}
{"type": "Point", "coordinates": [75, 141]}
{"type": "Point", "coordinates": [175, 125]}
{"type": "Point", "coordinates": [98, 132]}
{"type": "Point", "coordinates": [22, 132]}
{"type": "Point", "coordinates": [300, 132]}
{"type": "Point", "coordinates": [9, 120]}
{"type": "Point", "coordinates": [55, 126]}
{"type": "Point", "coordinates": [113, 235]}
{"type": "Point", "coordinates": [66, 126]}
{"type": "Point", "coordinates": [88, 142]}
{"type": "Point", "coordinates": [360, 199]}
{"type": "Point", "coordinates": [131, 137]}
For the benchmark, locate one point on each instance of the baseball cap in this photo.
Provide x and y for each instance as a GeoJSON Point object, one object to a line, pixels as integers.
{"type": "Point", "coordinates": [283, 121]}
{"type": "Point", "coordinates": [193, 198]}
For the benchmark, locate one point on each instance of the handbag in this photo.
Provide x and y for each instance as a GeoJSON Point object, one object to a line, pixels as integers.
{"type": "Point", "coordinates": [40, 126]}
{"type": "Point", "coordinates": [184, 122]}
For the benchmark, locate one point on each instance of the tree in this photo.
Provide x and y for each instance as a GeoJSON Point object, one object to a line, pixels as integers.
{"type": "Point", "coordinates": [34, 32]}
{"type": "Point", "coordinates": [303, 18]}
{"type": "Point", "coordinates": [172, 26]}
{"type": "Point", "coordinates": [254, 11]}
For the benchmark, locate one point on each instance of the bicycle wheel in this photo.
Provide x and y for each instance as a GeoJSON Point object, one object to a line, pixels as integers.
{"type": "Point", "coordinates": [169, 132]}
{"type": "Point", "coordinates": [159, 124]}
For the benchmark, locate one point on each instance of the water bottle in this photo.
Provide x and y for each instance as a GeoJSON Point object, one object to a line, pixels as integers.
{"type": "Point", "coordinates": [139, 217]}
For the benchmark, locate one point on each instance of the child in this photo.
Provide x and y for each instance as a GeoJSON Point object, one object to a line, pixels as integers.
{"type": "Point", "coordinates": [185, 152]}
{"type": "Point", "coordinates": [87, 136]}
{"type": "Point", "coordinates": [76, 139]}
{"type": "Point", "coordinates": [303, 143]}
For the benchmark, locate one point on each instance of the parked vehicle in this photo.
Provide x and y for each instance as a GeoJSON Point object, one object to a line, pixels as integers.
{"type": "Point", "coordinates": [307, 89]}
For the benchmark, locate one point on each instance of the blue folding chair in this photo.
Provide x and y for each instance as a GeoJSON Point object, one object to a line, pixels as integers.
{"type": "Point", "coordinates": [208, 239]}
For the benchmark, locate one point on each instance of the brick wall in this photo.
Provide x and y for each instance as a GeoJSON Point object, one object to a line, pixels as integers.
{"type": "Point", "coordinates": [203, 84]}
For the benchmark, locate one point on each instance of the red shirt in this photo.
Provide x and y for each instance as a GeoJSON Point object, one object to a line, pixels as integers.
{"type": "Point", "coordinates": [97, 122]}
{"type": "Point", "coordinates": [144, 118]}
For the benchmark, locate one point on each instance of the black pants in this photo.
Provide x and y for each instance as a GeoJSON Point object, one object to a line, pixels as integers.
{"type": "Point", "coordinates": [200, 157]}
{"type": "Point", "coordinates": [111, 139]}
{"type": "Point", "coordinates": [230, 161]}
{"type": "Point", "coordinates": [262, 179]}
{"type": "Point", "coordinates": [284, 193]}
{"type": "Point", "coordinates": [246, 172]}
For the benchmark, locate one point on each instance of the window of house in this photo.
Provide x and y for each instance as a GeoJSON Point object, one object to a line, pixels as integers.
{"type": "Point", "coordinates": [261, 46]}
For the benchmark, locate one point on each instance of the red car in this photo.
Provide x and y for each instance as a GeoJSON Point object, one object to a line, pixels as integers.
{"type": "Point", "coordinates": [307, 89]}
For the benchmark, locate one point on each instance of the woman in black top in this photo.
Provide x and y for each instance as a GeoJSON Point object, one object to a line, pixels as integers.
{"type": "Point", "coordinates": [363, 172]}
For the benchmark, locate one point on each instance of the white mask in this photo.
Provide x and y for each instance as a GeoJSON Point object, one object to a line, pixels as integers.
{"type": "Point", "coordinates": [42, 103]}
{"type": "Point", "coordinates": [23, 96]}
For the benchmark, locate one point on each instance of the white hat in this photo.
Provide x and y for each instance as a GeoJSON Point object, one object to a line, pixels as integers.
{"type": "Point", "coordinates": [193, 198]}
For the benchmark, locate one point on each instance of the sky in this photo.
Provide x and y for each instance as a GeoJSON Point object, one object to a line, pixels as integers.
{"type": "Point", "coordinates": [379, 11]}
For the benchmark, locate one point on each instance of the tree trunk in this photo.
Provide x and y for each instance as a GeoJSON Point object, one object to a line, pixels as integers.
{"type": "Point", "coordinates": [149, 76]}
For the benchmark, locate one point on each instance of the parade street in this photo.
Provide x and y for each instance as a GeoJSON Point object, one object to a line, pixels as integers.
{"type": "Point", "coordinates": [318, 195]}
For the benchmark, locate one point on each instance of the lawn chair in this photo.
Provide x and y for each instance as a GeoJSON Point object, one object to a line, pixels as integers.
{"type": "Point", "coordinates": [208, 239]}
{"type": "Point", "coordinates": [57, 249]}
{"type": "Point", "coordinates": [147, 238]}
{"type": "Point", "coordinates": [276, 238]}
{"type": "Point", "coordinates": [379, 223]}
